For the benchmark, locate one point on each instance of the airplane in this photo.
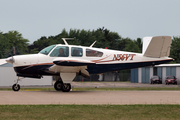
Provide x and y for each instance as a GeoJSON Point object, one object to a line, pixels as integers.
{"type": "Point", "coordinates": [64, 61]}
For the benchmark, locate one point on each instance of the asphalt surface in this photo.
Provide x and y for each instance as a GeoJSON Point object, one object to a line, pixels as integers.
{"type": "Point", "coordinates": [93, 97]}
{"type": "Point", "coordinates": [90, 97]}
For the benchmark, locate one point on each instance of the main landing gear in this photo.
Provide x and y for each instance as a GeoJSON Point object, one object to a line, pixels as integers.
{"type": "Point", "coordinates": [60, 86]}
{"type": "Point", "coordinates": [66, 87]}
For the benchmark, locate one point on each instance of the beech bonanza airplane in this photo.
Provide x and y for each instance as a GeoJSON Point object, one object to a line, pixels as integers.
{"type": "Point", "coordinates": [64, 62]}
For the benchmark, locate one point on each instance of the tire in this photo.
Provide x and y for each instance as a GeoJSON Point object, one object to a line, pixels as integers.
{"type": "Point", "coordinates": [16, 87]}
{"type": "Point", "coordinates": [66, 87]}
{"type": "Point", "coordinates": [58, 85]}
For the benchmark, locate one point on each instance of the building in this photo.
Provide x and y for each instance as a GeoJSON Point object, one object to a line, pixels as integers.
{"type": "Point", "coordinates": [143, 75]}
{"type": "Point", "coordinates": [8, 77]}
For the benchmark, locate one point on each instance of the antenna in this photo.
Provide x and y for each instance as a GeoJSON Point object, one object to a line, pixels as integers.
{"type": "Point", "coordinates": [93, 43]}
{"type": "Point", "coordinates": [64, 39]}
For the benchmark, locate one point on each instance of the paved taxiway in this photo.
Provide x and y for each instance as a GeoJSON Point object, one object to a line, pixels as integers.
{"type": "Point", "coordinates": [93, 97]}
{"type": "Point", "coordinates": [90, 97]}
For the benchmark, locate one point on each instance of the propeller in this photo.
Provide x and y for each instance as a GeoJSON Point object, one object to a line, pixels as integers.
{"type": "Point", "coordinates": [10, 60]}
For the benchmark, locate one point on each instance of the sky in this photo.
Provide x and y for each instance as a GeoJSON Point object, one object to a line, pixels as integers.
{"type": "Point", "coordinates": [129, 18]}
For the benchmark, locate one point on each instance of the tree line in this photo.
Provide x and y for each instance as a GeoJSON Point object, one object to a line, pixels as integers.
{"type": "Point", "coordinates": [104, 38]}
{"type": "Point", "coordinates": [12, 42]}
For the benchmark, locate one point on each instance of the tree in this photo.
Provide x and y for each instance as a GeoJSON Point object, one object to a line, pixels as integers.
{"type": "Point", "coordinates": [108, 39]}
{"type": "Point", "coordinates": [122, 43]}
{"type": "Point", "coordinates": [139, 43]}
{"type": "Point", "coordinates": [10, 41]}
{"type": "Point", "coordinates": [132, 47]}
{"type": "Point", "coordinates": [175, 49]}
{"type": "Point", "coordinates": [16, 41]}
{"type": "Point", "coordinates": [3, 45]}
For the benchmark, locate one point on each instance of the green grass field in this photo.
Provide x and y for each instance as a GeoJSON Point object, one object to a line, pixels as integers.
{"type": "Point", "coordinates": [90, 112]}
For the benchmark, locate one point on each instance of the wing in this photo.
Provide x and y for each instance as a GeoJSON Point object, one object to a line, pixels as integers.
{"type": "Point", "coordinates": [66, 65]}
{"type": "Point", "coordinates": [72, 62]}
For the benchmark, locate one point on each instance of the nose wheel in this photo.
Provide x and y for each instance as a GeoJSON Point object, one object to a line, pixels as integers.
{"type": "Point", "coordinates": [16, 87]}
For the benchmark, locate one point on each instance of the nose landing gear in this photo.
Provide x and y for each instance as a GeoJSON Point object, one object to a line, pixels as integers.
{"type": "Point", "coordinates": [16, 86]}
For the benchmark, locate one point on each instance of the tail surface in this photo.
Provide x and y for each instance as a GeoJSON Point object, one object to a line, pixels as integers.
{"type": "Point", "coordinates": [156, 47]}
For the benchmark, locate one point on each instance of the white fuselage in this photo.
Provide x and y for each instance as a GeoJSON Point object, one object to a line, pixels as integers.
{"type": "Point", "coordinates": [108, 57]}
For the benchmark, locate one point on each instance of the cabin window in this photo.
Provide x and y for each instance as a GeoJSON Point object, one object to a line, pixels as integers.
{"type": "Point", "coordinates": [93, 53]}
{"type": "Point", "coordinates": [60, 51]}
{"type": "Point", "coordinates": [76, 52]}
{"type": "Point", "coordinates": [47, 50]}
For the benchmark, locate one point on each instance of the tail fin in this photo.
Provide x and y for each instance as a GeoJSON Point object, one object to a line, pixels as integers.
{"type": "Point", "coordinates": [156, 47]}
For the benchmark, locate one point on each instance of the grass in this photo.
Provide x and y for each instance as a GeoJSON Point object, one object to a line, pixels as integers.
{"type": "Point", "coordinates": [90, 112]}
{"type": "Point", "coordinates": [99, 89]}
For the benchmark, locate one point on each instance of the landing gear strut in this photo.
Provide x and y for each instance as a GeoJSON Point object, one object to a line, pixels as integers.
{"type": "Point", "coordinates": [16, 86]}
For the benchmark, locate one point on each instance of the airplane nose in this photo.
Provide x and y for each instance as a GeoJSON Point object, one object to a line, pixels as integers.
{"type": "Point", "coordinates": [10, 60]}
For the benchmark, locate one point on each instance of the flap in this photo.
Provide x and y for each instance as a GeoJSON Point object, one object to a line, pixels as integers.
{"type": "Point", "coordinates": [85, 73]}
{"type": "Point", "coordinates": [81, 70]}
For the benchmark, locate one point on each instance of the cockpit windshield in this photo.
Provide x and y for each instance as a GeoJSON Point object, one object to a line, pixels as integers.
{"type": "Point", "coordinates": [47, 50]}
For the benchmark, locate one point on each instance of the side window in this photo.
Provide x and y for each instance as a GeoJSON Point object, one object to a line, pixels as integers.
{"type": "Point", "coordinates": [60, 51]}
{"type": "Point", "coordinates": [76, 52]}
{"type": "Point", "coordinates": [93, 53]}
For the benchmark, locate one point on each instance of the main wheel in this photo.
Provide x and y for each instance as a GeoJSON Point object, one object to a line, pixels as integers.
{"type": "Point", "coordinates": [16, 87]}
{"type": "Point", "coordinates": [66, 87]}
{"type": "Point", "coordinates": [58, 85]}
